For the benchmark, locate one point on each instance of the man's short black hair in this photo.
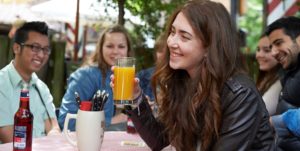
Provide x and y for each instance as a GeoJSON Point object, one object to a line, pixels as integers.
{"type": "Point", "coordinates": [21, 34]}
{"type": "Point", "coordinates": [290, 26]}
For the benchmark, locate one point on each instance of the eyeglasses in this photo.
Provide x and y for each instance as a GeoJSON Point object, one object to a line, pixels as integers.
{"type": "Point", "coordinates": [36, 48]}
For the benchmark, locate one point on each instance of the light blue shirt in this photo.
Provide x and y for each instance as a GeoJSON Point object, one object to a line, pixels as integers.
{"type": "Point", "coordinates": [86, 81]}
{"type": "Point", "coordinates": [10, 88]}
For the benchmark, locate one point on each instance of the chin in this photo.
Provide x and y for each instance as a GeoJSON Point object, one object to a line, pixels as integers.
{"type": "Point", "coordinates": [112, 63]}
{"type": "Point", "coordinates": [264, 68]}
{"type": "Point", "coordinates": [36, 68]}
{"type": "Point", "coordinates": [174, 66]}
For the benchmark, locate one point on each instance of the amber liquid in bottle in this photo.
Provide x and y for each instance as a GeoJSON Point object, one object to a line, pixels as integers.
{"type": "Point", "coordinates": [23, 121]}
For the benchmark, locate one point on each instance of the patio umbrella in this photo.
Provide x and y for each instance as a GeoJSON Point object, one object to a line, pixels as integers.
{"type": "Point", "coordinates": [65, 10]}
{"type": "Point", "coordinates": [71, 11]}
{"type": "Point", "coordinates": [10, 12]}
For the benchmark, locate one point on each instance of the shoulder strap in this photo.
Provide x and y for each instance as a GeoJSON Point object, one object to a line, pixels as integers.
{"type": "Point", "coordinates": [42, 100]}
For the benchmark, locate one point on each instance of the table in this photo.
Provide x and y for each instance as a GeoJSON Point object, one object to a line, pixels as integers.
{"type": "Point", "coordinates": [112, 142]}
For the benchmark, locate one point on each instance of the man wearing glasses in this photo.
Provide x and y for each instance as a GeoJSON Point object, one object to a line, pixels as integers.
{"type": "Point", "coordinates": [31, 49]}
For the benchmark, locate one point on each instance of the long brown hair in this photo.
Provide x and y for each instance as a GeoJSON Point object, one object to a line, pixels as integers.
{"type": "Point", "coordinates": [97, 57]}
{"type": "Point", "coordinates": [191, 110]}
{"type": "Point", "coordinates": [266, 79]}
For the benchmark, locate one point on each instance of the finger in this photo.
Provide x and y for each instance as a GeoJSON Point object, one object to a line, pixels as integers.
{"type": "Point", "coordinates": [136, 80]}
{"type": "Point", "coordinates": [112, 78]}
{"type": "Point", "coordinates": [149, 101]}
{"type": "Point", "coordinates": [112, 68]}
{"type": "Point", "coordinates": [112, 81]}
{"type": "Point", "coordinates": [111, 85]}
{"type": "Point", "coordinates": [136, 84]}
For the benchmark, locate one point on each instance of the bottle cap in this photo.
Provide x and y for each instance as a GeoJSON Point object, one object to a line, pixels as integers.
{"type": "Point", "coordinates": [85, 105]}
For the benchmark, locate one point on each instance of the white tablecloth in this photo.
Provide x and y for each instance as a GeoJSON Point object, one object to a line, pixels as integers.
{"type": "Point", "coordinates": [112, 142]}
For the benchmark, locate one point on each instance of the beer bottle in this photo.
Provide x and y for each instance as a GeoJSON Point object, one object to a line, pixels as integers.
{"type": "Point", "coordinates": [23, 120]}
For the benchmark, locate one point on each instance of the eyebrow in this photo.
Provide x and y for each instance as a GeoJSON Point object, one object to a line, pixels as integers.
{"type": "Point", "coordinates": [185, 32]}
{"type": "Point", "coordinates": [277, 40]}
{"type": "Point", "coordinates": [265, 47]}
{"type": "Point", "coordinates": [182, 31]}
{"type": "Point", "coordinates": [35, 43]}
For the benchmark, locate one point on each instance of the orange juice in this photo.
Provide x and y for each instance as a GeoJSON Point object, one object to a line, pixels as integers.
{"type": "Point", "coordinates": [124, 81]}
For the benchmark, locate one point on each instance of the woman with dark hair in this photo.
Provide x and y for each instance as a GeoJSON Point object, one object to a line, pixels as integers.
{"type": "Point", "coordinates": [268, 81]}
{"type": "Point", "coordinates": [95, 73]}
{"type": "Point", "coordinates": [207, 102]}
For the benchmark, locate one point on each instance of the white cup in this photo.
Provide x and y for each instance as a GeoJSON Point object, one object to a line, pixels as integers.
{"type": "Point", "coordinates": [89, 129]}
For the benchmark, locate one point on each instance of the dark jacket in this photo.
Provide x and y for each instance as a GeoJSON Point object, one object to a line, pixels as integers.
{"type": "Point", "coordinates": [290, 97]}
{"type": "Point", "coordinates": [245, 120]}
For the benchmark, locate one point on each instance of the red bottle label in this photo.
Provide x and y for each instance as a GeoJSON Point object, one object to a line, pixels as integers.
{"type": "Point", "coordinates": [20, 137]}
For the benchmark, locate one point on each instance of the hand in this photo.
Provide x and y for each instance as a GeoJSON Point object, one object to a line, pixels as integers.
{"type": "Point", "coordinates": [54, 131]}
{"type": "Point", "coordinates": [119, 118]}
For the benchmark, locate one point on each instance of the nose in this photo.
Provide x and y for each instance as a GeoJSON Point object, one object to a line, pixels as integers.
{"type": "Point", "coordinates": [258, 54]}
{"type": "Point", "coordinates": [115, 50]}
{"type": "Point", "coordinates": [172, 41]}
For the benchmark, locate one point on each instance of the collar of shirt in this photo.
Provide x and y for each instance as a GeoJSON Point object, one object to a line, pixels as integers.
{"type": "Point", "coordinates": [16, 78]}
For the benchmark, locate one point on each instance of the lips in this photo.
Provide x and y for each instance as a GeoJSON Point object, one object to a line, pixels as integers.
{"type": "Point", "coordinates": [38, 62]}
{"type": "Point", "coordinates": [262, 63]}
{"type": "Point", "coordinates": [113, 58]}
{"type": "Point", "coordinates": [174, 54]}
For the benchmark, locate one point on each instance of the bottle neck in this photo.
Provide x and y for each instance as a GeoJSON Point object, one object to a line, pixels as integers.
{"type": "Point", "coordinates": [24, 104]}
{"type": "Point", "coordinates": [24, 99]}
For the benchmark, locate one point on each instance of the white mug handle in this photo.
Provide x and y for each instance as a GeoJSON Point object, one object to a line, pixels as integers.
{"type": "Point", "coordinates": [66, 131]}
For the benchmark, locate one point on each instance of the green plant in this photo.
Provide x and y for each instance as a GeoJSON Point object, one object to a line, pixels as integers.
{"type": "Point", "coordinates": [251, 22]}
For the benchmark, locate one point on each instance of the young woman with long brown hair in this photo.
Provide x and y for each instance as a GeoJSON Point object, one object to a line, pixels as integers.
{"type": "Point", "coordinates": [207, 102]}
{"type": "Point", "coordinates": [268, 79]}
{"type": "Point", "coordinates": [94, 74]}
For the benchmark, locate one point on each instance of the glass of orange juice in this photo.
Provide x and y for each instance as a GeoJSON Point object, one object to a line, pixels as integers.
{"type": "Point", "coordinates": [124, 73]}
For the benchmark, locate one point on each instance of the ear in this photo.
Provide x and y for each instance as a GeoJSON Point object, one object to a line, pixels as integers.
{"type": "Point", "coordinates": [16, 48]}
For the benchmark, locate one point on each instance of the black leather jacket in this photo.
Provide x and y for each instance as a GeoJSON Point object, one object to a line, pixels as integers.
{"type": "Point", "coordinates": [245, 120]}
{"type": "Point", "coordinates": [290, 97]}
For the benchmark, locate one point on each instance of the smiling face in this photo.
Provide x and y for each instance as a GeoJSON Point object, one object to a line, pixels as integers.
{"type": "Point", "coordinates": [284, 49]}
{"type": "Point", "coordinates": [26, 61]}
{"type": "Point", "coordinates": [186, 50]}
{"type": "Point", "coordinates": [264, 55]}
{"type": "Point", "coordinates": [114, 46]}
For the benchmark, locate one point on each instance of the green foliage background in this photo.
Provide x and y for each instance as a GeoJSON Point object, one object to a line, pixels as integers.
{"type": "Point", "coordinates": [150, 11]}
{"type": "Point", "coordinates": [251, 23]}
